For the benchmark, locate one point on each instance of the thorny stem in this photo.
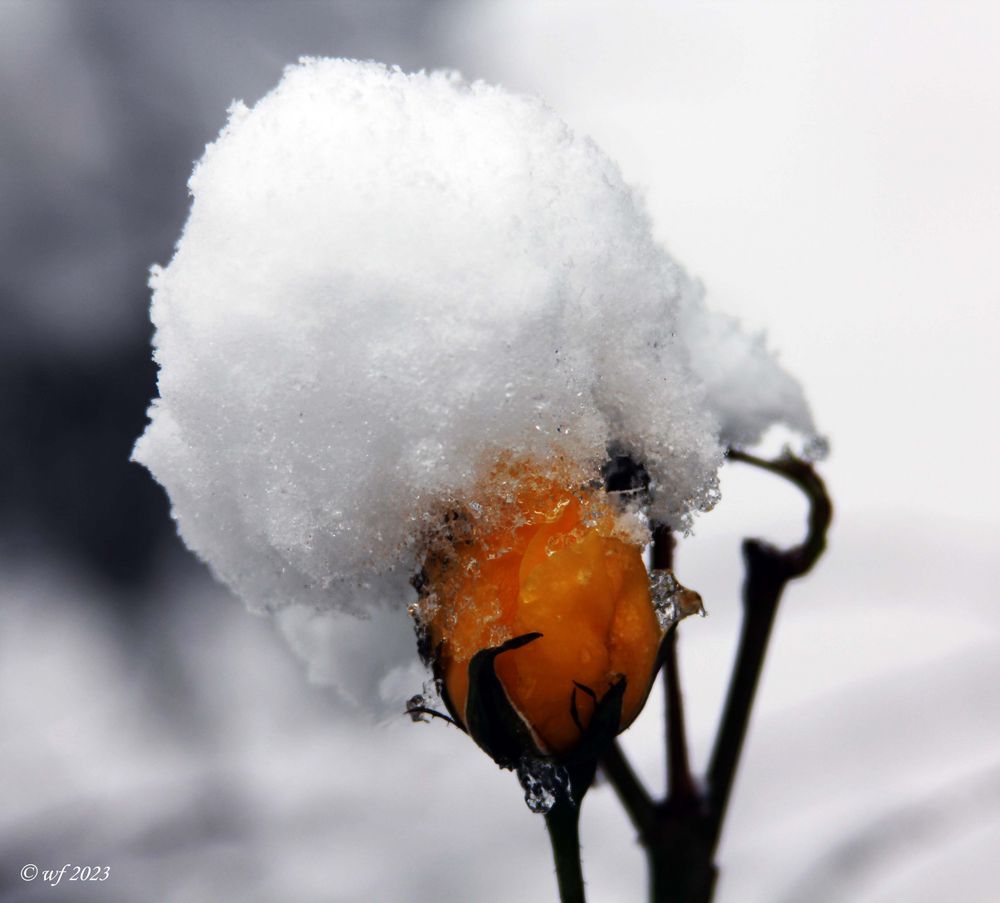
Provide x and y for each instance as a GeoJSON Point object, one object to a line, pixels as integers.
{"type": "Point", "coordinates": [563, 823]}
{"type": "Point", "coordinates": [681, 832]}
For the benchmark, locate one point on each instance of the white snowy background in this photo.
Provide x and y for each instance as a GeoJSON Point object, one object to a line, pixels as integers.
{"type": "Point", "coordinates": [828, 170]}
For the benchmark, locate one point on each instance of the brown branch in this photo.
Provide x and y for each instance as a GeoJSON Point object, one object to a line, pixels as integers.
{"type": "Point", "coordinates": [681, 833]}
{"type": "Point", "coordinates": [768, 570]}
{"type": "Point", "coordinates": [633, 795]}
{"type": "Point", "coordinates": [798, 560]}
{"type": "Point", "coordinates": [680, 784]}
{"type": "Point", "coordinates": [679, 780]}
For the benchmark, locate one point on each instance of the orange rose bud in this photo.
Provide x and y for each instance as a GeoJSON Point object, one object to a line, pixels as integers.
{"type": "Point", "coordinates": [552, 561]}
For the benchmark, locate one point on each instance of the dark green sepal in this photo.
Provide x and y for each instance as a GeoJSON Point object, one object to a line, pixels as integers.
{"type": "Point", "coordinates": [595, 738]}
{"type": "Point", "coordinates": [604, 725]}
{"type": "Point", "coordinates": [491, 719]}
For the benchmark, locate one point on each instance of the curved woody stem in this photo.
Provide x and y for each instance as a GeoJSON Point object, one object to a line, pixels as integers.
{"type": "Point", "coordinates": [681, 833]}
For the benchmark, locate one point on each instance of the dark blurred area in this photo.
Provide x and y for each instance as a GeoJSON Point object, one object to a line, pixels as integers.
{"type": "Point", "coordinates": [118, 747]}
{"type": "Point", "coordinates": [105, 107]}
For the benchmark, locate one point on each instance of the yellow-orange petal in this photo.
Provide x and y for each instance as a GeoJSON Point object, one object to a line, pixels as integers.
{"type": "Point", "coordinates": [564, 572]}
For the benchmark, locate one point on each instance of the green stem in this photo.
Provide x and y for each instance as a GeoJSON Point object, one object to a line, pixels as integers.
{"type": "Point", "coordinates": [563, 822]}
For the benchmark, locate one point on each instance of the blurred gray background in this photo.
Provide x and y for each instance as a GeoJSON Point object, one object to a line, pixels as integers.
{"type": "Point", "coordinates": [829, 170]}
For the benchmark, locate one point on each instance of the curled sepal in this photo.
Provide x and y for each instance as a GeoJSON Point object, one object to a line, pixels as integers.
{"type": "Point", "coordinates": [419, 711]}
{"type": "Point", "coordinates": [549, 781]}
{"type": "Point", "coordinates": [490, 717]}
{"type": "Point", "coordinates": [605, 723]}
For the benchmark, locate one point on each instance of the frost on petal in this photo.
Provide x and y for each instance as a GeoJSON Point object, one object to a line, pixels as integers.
{"type": "Point", "coordinates": [387, 283]}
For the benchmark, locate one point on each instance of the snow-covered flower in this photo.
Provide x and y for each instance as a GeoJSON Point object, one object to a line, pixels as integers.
{"type": "Point", "coordinates": [391, 289]}
{"type": "Point", "coordinates": [551, 595]}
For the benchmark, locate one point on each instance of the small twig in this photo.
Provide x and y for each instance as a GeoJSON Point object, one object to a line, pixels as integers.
{"type": "Point", "coordinates": [680, 784]}
{"type": "Point", "coordinates": [799, 559]}
{"type": "Point", "coordinates": [633, 795]}
{"type": "Point", "coordinates": [768, 570]}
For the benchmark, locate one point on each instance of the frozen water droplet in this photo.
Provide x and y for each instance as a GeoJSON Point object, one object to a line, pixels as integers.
{"type": "Point", "coordinates": [672, 600]}
{"type": "Point", "coordinates": [543, 782]}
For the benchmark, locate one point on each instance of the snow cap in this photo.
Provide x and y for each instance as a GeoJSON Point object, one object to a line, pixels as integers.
{"type": "Point", "coordinates": [387, 282]}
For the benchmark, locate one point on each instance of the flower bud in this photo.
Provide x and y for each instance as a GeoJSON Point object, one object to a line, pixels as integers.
{"type": "Point", "coordinates": [560, 570]}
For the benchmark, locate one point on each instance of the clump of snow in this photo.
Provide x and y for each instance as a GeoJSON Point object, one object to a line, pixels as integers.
{"type": "Point", "coordinates": [746, 388]}
{"type": "Point", "coordinates": [387, 283]}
